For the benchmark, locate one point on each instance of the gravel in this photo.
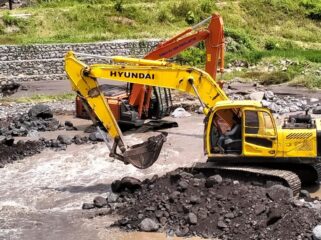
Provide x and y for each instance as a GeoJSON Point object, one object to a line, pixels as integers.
{"type": "Point", "coordinates": [225, 210]}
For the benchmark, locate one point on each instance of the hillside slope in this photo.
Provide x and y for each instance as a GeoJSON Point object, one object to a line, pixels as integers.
{"type": "Point", "coordinates": [257, 32]}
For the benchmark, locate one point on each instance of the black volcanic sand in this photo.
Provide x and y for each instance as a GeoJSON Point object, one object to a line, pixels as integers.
{"type": "Point", "coordinates": [192, 204]}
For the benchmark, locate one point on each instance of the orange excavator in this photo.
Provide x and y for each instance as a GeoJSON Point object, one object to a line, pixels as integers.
{"type": "Point", "coordinates": [135, 102]}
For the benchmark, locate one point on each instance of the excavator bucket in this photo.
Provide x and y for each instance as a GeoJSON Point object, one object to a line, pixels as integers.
{"type": "Point", "coordinates": [144, 155]}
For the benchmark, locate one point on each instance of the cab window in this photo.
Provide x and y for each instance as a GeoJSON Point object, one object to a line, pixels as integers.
{"type": "Point", "coordinates": [251, 122]}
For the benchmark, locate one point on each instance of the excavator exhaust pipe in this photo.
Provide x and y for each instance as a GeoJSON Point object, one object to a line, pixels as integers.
{"type": "Point", "coordinates": [142, 155]}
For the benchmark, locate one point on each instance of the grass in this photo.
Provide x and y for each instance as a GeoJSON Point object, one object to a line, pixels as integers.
{"type": "Point", "coordinates": [256, 31]}
{"type": "Point", "coordinates": [95, 20]}
{"type": "Point", "coordinates": [40, 98]}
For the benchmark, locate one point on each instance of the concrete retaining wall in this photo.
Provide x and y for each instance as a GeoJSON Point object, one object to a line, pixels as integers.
{"type": "Point", "coordinates": [45, 61]}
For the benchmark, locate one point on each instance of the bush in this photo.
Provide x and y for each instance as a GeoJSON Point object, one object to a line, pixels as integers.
{"type": "Point", "coordinates": [194, 56]}
{"type": "Point", "coordinates": [271, 45]}
{"type": "Point", "coordinates": [182, 8]}
{"type": "Point", "coordinates": [274, 78]}
{"type": "Point", "coordinates": [190, 17]}
{"type": "Point", "coordinates": [239, 37]}
{"type": "Point", "coordinates": [207, 6]}
{"type": "Point", "coordinates": [9, 20]}
{"type": "Point", "coordinates": [118, 6]}
{"type": "Point", "coordinates": [313, 9]}
{"type": "Point", "coordinates": [164, 16]}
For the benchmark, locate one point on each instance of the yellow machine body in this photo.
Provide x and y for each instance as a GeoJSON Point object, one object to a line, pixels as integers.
{"type": "Point", "coordinates": [263, 139]}
{"type": "Point", "coordinates": [260, 138]}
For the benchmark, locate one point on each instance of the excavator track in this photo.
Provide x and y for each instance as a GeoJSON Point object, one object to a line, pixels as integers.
{"type": "Point", "coordinates": [290, 178]}
{"type": "Point", "coordinates": [317, 168]}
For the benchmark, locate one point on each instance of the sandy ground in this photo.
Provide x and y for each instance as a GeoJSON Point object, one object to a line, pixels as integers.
{"type": "Point", "coordinates": [41, 196]}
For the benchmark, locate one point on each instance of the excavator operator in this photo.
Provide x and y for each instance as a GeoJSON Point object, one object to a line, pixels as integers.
{"type": "Point", "coordinates": [231, 141]}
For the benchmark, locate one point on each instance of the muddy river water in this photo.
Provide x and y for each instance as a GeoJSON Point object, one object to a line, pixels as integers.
{"type": "Point", "coordinates": [41, 196]}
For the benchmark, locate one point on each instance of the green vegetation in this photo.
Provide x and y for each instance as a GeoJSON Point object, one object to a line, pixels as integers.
{"type": "Point", "coordinates": [40, 98]}
{"type": "Point", "coordinates": [256, 31]}
{"type": "Point", "coordinates": [262, 23]}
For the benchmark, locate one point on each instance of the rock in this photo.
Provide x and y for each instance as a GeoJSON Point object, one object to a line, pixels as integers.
{"type": "Point", "coordinates": [259, 209]}
{"type": "Point", "coordinates": [229, 215]}
{"type": "Point", "coordinates": [304, 194]}
{"type": "Point", "coordinates": [181, 231]}
{"type": "Point", "coordinates": [63, 139]}
{"type": "Point", "coordinates": [180, 113]}
{"type": "Point", "coordinates": [265, 103]}
{"type": "Point", "coordinates": [173, 196]}
{"type": "Point", "coordinates": [212, 180]}
{"type": "Point", "coordinates": [317, 110]}
{"type": "Point", "coordinates": [116, 186]}
{"type": "Point", "coordinates": [100, 202]}
{"type": "Point", "coordinates": [40, 111]}
{"type": "Point", "coordinates": [88, 206]}
{"type": "Point", "coordinates": [69, 124]}
{"type": "Point", "coordinates": [112, 197]}
{"type": "Point", "coordinates": [148, 225]}
{"type": "Point", "coordinates": [313, 100]}
{"type": "Point", "coordinates": [273, 215]}
{"type": "Point", "coordinates": [96, 136]}
{"type": "Point", "coordinates": [268, 95]}
{"type": "Point", "coordinates": [317, 232]}
{"type": "Point", "coordinates": [279, 193]}
{"type": "Point", "coordinates": [195, 199]}
{"type": "Point", "coordinates": [274, 107]}
{"type": "Point", "coordinates": [174, 177]}
{"type": "Point", "coordinates": [298, 203]}
{"type": "Point", "coordinates": [257, 96]}
{"type": "Point", "coordinates": [221, 225]}
{"type": "Point", "coordinates": [183, 185]}
{"type": "Point", "coordinates": [78, 140]}
{"type": "Point", "coordinates": [192, 218]}
{"type": "Point", "coordinates": [235, 182]}
{"type": "Point", "coordinates": [127, 183]}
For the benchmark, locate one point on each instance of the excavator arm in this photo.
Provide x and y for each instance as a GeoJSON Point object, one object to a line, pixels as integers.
{"type": "Point", "coordinates": [213, 36]}
{"type": "Point", "coordinates": [84, 80]}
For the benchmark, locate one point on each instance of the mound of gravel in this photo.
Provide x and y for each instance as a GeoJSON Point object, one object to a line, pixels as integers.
{"type": "Point", "coordinates": [187, 204]}
{"type": "Point", "coordinates": [38, 118]}
{"type": "Point", "coordinates": [11, 152]}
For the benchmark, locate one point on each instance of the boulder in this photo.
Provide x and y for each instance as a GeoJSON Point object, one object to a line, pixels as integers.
{"type": "Point", "coordinates": [96, 136]}
{"type": "Point", "coordinates": [192, 218]}
{"type": "Point", "coordinates": [88, 206]}
{"type": "Point", "coordinates": [268, 95]}
{"type": "Point", "coordinates": [127, 183]}
{"type": "Point", "coordinates": [304, 194]}
{"type": "Point", "coordinates": [112, 197]}
{"type": "Point", "coordinates": [257, 96]}
{"type": "Point", "coordinates": [182, 185]}
{"type": "Point", "coordinates": [317, 232]}
{"type": "Point", "coordinates": [100, 202]}
{"type": "Point", "coordinates": [221, 225]}
{"type": "Point", "coordinates": [317, 110]}
{"type": "Point", "coordinates": [148, 225]}
{"type": "Point", "coordinates": [273, 215]}
{"type": "Point", "coordinates": [279, 193]}
{"type": "Point", "coordinates": [63, 139]}
{"type": "Point", "coordinates": [40, 111]}
{"type": "Point", "coordinates": [212, 180]}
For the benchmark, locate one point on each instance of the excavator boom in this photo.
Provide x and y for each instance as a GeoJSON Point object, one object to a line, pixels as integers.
{"type": "Point", "coordinates": [84, 81]}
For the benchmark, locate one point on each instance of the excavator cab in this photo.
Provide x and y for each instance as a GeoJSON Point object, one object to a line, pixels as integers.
{"type": "Point", "coordinates": [239, 129]}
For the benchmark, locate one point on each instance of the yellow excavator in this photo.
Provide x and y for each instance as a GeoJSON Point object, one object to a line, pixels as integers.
{"type": "Point", "coordinates": [239, 136]}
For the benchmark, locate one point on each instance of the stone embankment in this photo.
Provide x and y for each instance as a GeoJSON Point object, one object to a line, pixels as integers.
{"type": "Point", "coordinates": [21, 63]}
